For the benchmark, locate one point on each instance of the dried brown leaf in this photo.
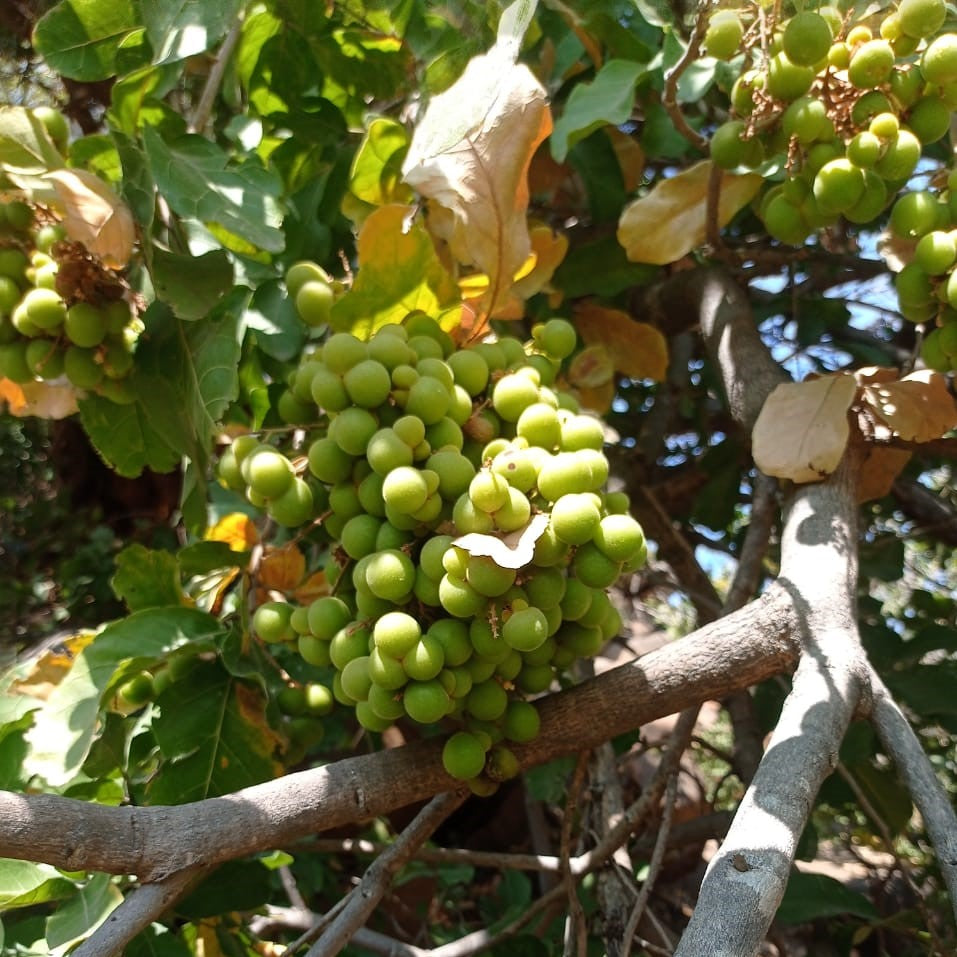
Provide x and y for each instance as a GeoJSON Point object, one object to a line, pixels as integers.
{"type": "Point", "coordinates": [918, 408]}
{"type": "Point", "coordinates": [638, 350]}
{"type": "Point", "coordinates": [94, 215]}
{"type": "Point", "coordinates": [671, 220]}
{"type": "Point", "coordinates": [802, 430]}
{"type": "Point", "coordinates": [880, 468]}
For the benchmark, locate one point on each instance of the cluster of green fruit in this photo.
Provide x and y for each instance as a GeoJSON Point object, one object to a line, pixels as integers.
{"type": "Point", "coordinates": [46, 336]}
{"type": "Point", "coordinates": [845, 112]}
{"type": "Point", "coordinates": [463, 493]}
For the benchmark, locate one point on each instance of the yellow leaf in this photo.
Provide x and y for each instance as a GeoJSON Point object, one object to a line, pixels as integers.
{"type": "Point", "coordinates": [471, 152]}
{"type": "Point", "coordinates": [94, 215]}
{"type": "Point", "coordinates": [638, 350]}
{"type": "Point", "coordinates": [51, 667]}
{"type": "Point", "coordinates": [548, 251]}
{"type": "Point", "coordinates": [918, 407]}
{"type": "Point", "coordinates": [12, 394]}
{"type": "Point", "coordinates": [45, 400]}
{"type": "Point", "coordinates": [631, 157]}
{"type": "Point", "coordinates": [591, 368]}
{"type": "Point", "coordinates": [236, 529]}
{"type": "Point", "coordinates": [283, 568]}
{"type": "Point", "coordinates": [599, 398]}
{"type": "Point", "coordinates": [671, 220]}
{"type": "Point", "coordinates": [802, 430]}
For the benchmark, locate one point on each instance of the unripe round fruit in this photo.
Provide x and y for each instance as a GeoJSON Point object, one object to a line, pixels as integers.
{"type": "Point", "coordinates": [742, 92]}
{"type": "Point", "coordinates": [594, 568]}
{"type": "Point", "coordinates": [55, 124]}
{"type": "Point", "coordinates": [268, 472]}
{"type": "Point", "coordinates": [921, 18]}
{"type": "Point", "coordinates": [463, 756]}
{"type": "Point", "coordinates": [730, 149]}
{"type": "Point", "coordinates": [271, 621]}
{"type": "Point", "coordinates": [838, 185]}
{"type": "Point", "coordinates": [784, 222]}
{"type": "Point", "coordinates": [786, 80]}
{"type": "Point", "coordinates": [871, 64]}
{"type": "Point", "coordinates": [936, 252]}
{"type": "Point", "coordinates": [807, 38]}
{"type": "Point", "coordinates": [723, 36]}
{"type": "Point", "coordinates": [900, 157]}
{"type": "Point", "coordinates": [319, 700]}
{"type": "Point", "coordinates": [390, 575]}
{"type": "Point", "coordinates": [558, 338]}
{"type": "Point", "coordinates": [314, 302]}
{"type": "Point", "coordinates": [525, 630]}
{"type": "Point", "coordinates": [939, 62]}
{"type": "Point", "coordinates": [864, 150]}
{"type": "Point", "coordinates": [137, 691]}
{"type": "Point", "coordinates": [521, 721]}
{"type": "Point", "coordinates": [368, 383]}
{"type": "Point", "coordinates": [620, 538]}
{"type": "Point", "coordinates": [914, 214]}
{"type": "Point", "coordinates": [81, 368]}
{"type": "Point", "coordinates": [426, 701]}
{"type": "Point", "coordinates": [405, 489]}
{"type": "Point", "coordinates": [487, 701]}
{"type": "Point", "coordinates": [299, 273]}
{"type": "Point", "coordinates": [806, 118]}
{"type": "Point", "coordinates": [929, 119]}
{"type": "Point", "coordinates": [44, 308]}
{"type": "Point", "coordinates": [512, 394]}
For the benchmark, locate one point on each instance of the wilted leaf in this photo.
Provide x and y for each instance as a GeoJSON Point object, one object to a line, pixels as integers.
{"type": "Point", "coordinates": [236, 529]}
{"type": "Point", "coordinates": [607, 100]}
{"type": "Point", "coordinates": [671, 220]}
{"type": "Point", "coordinates": [591, 368]}
{"type": "Point", "coordinates": [471, 152]}
{"type": "Point", "coordinates": [45, 400]}
{"type": "Point", "coordinates": [94, 215]}
{"type": "Point", "coordinates": [514, 550]}
{"type": "Point", "coordinates": [918, 407]}
{"type": "Point", "coordinates": [282, 568]}
{"type": "Point", "coordinates": [315, 586]}
{"type": "Point", "coordinates": [597, 398]}
{"type": "Point", "coordinates": [802, 430]}
{"type": "Point", "coordinates": [398, 273]}
{"type": "Point", "coordinates": [638, 350]}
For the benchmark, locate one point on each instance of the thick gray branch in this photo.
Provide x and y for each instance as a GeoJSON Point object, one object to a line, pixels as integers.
{"type": "Point", "coordinates": [153, 842]}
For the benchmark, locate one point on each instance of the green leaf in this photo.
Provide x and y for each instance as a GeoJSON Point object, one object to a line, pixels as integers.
{"type": "Point", "coordinates": [157, 941]}
{"type": "Point", "coordinates": [813, 896]}
{"type": "Point", "coordinates": [377, 167]}
{"type": "Point", "coordinates": [203, 557]}
{"type": "Point", "coordinates": [147, 578]}
{"type": "Point", "coordinates": [601, 268]}
{"type": "Point", "coordinates": [595, 160]}
{"type": "Point", "coordinates": [191, 285]}
{"type": "Point", "coordinates": [83, 914]}
{"type": "Point", "coordinates": [235, 886]}
{"type": "Point", "coordinates": [80, 38]}
{"type": "Point", "coordinates": [13, 745]}
{"type": "Point", "coordinates": [608, 99]}
{"type": "Point", "coordinates": [213, 735]}
{"type": "Point", "coordinates": [65, 726]}
{"type": "Point", "coordinates": [124, 436]}
{"type": "Point", "coordinates": [139, 191]}
{"type": "Point", "coordinates": [885, 793]}
{"type": "Point", "coordinates": [272, 315]}
{"type": "Point", "coordinates": [178, 29]}
{"type": "Point", "coordinates": [25, 145]}
{"type": "Point", "coordinates": [23, 884]}
{"type": "Point", "coordinates": [197, 180]}
{"type": "Point", "coordinates": [189, 372]}
{"type": "Point", "coordinates": [928, 689]}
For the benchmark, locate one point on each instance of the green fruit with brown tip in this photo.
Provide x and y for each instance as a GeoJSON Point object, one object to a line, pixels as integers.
{"type": "Point", "coordinates": [807, 38]}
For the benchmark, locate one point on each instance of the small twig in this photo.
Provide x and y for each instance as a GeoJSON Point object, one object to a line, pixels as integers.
{"type": "Point", "coordinates": [654, 866]}
{"type": "Point", "coordinates": [364, 898]}
{"type": "Point", "coordinates": [204, 107]}
{"type": "Point", "coordinates": [141, 907]}
{"type": "Point", "coordinates": [576, 938]}
{"type": "Point", "coordinates": [669, 96]}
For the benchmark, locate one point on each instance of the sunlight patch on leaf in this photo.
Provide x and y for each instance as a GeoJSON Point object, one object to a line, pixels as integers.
{"type": "Point", "coordinates": [671, 220]}
{"type": "Point", "coordinates": [514, 550]}
{"type": "Point", "coordinates": [802, 430]}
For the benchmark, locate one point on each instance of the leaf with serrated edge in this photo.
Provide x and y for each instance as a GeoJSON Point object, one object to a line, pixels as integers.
{"type": "Point", "coordinates": [671, 220]}
{"type": "Point", "coordinates": [802, 430]}
{"type": "Point", "coordinates": [514, 550]}
{"type": "Point", "coordinates": [918, 407]}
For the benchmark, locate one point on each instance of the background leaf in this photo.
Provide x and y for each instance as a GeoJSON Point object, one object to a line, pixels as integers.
{"type": "Point", "coordinates": [178, 29]}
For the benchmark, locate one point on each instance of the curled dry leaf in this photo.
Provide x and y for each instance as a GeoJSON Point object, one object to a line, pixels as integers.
{"type": "Point", "coordinates": [282, 568]}
{"type": "Point", "coordinates": [671, 220]}
{"type": "Point", "coordinates": [514, 550]}
{"type": "Point", "coordinates": [802, 430]}
{"type": "Point", "coordinates": [94, 215]}
{"type": "Point", "coordinates": [470, 156]}
{"type": "Point", "coordinates": [638, 350]}
{"type": "Point", "coordinates": [918, 408]}
{"type": "Point", "coordinates": [879, 469]}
